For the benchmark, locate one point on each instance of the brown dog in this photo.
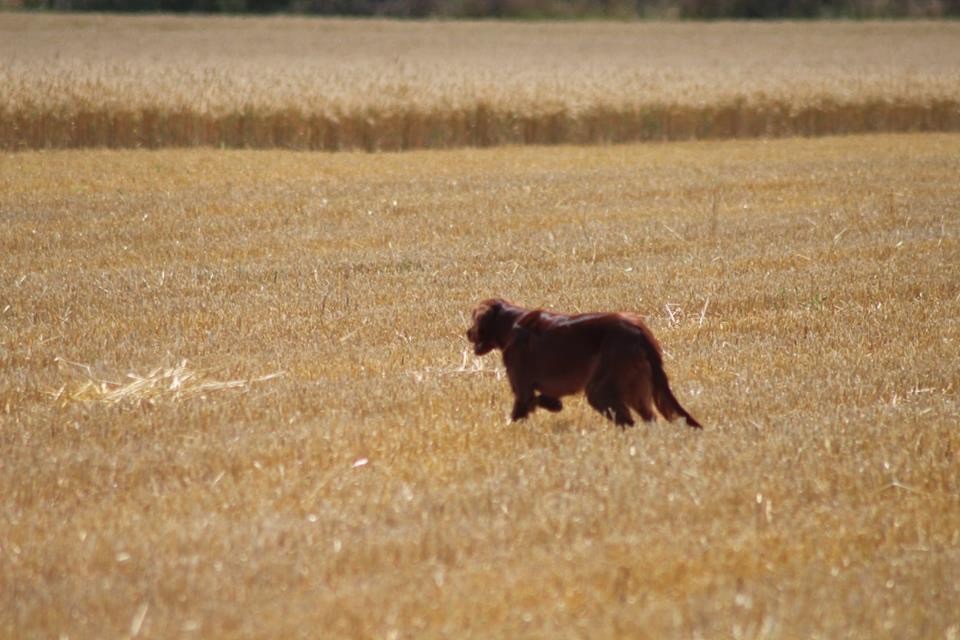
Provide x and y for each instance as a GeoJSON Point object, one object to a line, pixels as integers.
{"type": "Point", "coordinates": [613, 356]}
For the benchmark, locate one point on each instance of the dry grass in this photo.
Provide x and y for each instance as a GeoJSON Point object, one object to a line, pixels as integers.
{"type": "Point", "coordinates": [81, 81]}
{"type": "Point", "coordinates": [806, 291]}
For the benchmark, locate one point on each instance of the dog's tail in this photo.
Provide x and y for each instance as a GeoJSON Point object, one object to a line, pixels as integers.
{"type": "Point", "coordinates": [667, 403]}
{"type": "Point", "coordinates": [663, 397]}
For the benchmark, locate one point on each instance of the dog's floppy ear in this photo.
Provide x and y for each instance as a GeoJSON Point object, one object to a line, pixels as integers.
{"type": "Point", "coordinates": [495, 304]}
{"type": "Point", "coordinates": [488, 308]}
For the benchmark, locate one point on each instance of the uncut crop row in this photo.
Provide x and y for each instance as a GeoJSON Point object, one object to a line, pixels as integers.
{"type": "Point", "coordinates": [334, 84]}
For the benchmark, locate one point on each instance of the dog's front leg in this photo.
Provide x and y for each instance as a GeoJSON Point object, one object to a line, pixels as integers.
{"type": "Point", "coordinates": [524, 394]}
{"type": "Point", "coordinates": [524, 397]}
{"type": "Point", "coordinates": [521, 409]}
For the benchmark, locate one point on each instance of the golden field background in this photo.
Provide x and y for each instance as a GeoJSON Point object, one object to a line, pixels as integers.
{"type": "Point", "coordinates": [160, 81]}
{"type": "Point", "coordinates": [235, 397]}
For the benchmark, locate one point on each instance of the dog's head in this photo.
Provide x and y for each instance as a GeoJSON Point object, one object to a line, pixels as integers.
{"type": "Point", "coordinates": [483, 332]}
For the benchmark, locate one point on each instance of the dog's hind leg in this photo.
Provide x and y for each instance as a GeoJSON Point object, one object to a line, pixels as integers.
{"type": "Point", "coordinates": [603, 396]}
{"type": "Point", "coordinates": [636, 385]}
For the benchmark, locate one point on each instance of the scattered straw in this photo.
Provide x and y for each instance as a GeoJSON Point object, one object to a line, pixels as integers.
{"type": "Point", "coordinates": [174, 383]}
{"type": "Point", "coordinates": [469, 365]}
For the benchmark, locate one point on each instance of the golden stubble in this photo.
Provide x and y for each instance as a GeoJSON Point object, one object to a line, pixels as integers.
{"type": "Point", "coordinates": [236, 398]}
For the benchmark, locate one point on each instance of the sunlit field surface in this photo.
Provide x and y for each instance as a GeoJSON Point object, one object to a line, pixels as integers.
{"type": "Point", "coordinates": [236, 398]}
{"type": "Point", "coordinates": [307, 83]}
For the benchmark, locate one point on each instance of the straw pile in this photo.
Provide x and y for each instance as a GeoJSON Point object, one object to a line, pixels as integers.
{"type": "Point", "coordinates": [162, 383]}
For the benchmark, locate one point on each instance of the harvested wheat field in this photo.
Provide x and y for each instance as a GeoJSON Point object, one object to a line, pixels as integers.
{"type": "Point", "coordinates": [161, 81]}
{"type": "Point", "coordinates": [236, 398]}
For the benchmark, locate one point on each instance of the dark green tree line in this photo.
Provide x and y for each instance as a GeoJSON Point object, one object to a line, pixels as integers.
{"type": "Point", "coordinates": [533, 9]}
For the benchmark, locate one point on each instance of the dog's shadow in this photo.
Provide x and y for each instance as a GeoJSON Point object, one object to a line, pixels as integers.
{"type": "Point", "coordinates": [563, 426]}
